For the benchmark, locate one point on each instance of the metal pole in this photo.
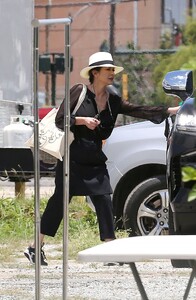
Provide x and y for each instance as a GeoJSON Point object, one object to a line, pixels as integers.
{"type": "Point", "coordinates": [36, 163]}
{"type": "Point", "coordinates": [46, 22]}
{"type": "Point", "coordinates": [66, 159]}
{"type": "Point", "coordinates": [36, 23]}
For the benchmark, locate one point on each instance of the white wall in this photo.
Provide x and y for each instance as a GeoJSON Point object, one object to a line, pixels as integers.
{"type": "Point", "coordinates": [176, 9]}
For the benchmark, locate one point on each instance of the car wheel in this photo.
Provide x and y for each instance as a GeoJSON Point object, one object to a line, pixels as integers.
{"type": "Point", "coordinates": [146, 208]}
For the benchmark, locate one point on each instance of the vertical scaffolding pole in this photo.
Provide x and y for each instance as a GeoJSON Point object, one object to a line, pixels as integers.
{"type": "Point", "coordinates": [36, 24]}
{"type": "Point", "coordinates": [36, 162]}
{"type": "Point", "coordinates": [66, 159]}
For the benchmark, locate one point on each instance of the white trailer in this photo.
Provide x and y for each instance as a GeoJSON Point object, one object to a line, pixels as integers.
{"type": "Point", "coordinates": [16, 59]}
{"type": "Point", "coordinates": [16, 89]}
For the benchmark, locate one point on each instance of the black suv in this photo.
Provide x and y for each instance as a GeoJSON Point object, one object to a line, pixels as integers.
{"type": "Point", "coordinates": [181, 152]}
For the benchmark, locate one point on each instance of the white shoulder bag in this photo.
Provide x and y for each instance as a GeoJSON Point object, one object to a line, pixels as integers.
{"type": "Point", "coordinates": [51, 138]}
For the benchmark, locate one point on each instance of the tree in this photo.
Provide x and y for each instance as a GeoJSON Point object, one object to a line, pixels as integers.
{"type": "Point", "coordinates": [184, 58]}
{"type": "Point", "coordinates": [138, 68]}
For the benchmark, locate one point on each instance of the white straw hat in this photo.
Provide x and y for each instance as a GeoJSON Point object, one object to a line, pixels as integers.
{"type": "Point", "coordinates": [100, 59]}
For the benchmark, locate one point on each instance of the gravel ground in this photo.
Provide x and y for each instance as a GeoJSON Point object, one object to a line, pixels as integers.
{"type": "Point", "coordinates": [86, 281]}
{"type": "Point", "coordinates": [90, 281]}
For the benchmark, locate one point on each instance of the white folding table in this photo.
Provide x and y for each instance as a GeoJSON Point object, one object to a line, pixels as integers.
{"type": "Point", "coordinates": [145, 248]}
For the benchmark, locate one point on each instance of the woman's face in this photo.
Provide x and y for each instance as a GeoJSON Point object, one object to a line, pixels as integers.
{"type": "Point", "coordinates": [105, 75]}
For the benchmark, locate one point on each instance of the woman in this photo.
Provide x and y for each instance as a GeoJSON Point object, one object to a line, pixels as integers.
{"type": "Point", "coordinates": [92, 123]}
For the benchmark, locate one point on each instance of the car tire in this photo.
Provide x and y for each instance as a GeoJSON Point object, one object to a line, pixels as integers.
{"type": "Point", "coordinates": [146, 208]}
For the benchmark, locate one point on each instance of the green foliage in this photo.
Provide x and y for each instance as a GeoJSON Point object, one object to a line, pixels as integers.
{"type": "Point", "coordinates": [139, 69]}
{"type": "Point", "coordinates": [16, 217]}
{"type": "Point", "coordinates": [146, 72]}
{"type": "Point", "coordinates": [190, 32]}
{"type": "Point", "coordinates": [184, 58]}
{"type": "Point", "coordinates": [17, 224]}
{"type": "Point", "coordinates": [166, 41]}
{"type": "Point", "coordinates": [192, 194]}
{"type": "Point", "coordinates": [141, 89]}
{"type": "Point", "coordinates": [189, 174]}
{"type": "Point", "coordinates": [17, 227]}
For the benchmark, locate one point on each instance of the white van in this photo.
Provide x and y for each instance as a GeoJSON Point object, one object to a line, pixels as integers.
{"type": "Point", "coordinates": [137, 167]}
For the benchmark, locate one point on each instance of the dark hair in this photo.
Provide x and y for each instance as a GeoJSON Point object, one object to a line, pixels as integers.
{"type": "Point", "coordinates": [91, 77]}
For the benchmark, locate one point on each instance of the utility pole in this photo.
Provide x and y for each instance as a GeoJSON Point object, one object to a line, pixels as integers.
{"type": "Point", "coordinates": [112, 29]}
{"type": "Point", "coordinates": [48, 15]}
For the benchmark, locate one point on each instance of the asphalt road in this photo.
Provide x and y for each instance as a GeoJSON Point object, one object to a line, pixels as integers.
{"type": "Point", "coordinates": [7, 188]}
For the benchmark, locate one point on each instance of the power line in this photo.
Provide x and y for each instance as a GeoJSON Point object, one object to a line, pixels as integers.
{"type": "Point", "coordinates": [102, 2]}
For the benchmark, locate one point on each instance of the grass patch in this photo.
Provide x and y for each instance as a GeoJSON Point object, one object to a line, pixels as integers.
{"type": "Point", "coordinates": [17, 226]}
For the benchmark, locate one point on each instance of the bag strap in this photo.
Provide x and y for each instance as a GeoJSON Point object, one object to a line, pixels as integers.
{"type": "Point", "coordinates": [80, 99]}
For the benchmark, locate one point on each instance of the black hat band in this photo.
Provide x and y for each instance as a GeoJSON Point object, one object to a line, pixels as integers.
{"type": "Point", "coordinates": [103, 62]}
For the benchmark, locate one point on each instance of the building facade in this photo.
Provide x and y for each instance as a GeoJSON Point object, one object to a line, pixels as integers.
{"type": "Point", "coordinates": [98, 25]}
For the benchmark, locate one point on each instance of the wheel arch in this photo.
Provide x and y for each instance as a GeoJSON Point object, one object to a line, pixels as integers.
{"type": "Point", "coordinates": [128, 182]}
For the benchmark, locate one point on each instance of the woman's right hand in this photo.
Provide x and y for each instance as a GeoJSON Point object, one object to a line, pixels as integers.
{"type": "Point", "coordinates": [91, 123]}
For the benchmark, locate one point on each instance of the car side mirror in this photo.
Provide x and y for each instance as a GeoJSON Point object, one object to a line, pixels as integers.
{"type": "Point", "coordinates": [178, 83]}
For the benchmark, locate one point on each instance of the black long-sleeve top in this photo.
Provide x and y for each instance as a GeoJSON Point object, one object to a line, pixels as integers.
{"type": "Point", "coordinates": [88, 170]}
{"type": "Point", "coordinates": [117, 105]}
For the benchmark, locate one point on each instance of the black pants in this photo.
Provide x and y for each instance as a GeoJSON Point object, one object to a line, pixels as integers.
{"type": "Point", "coordinates": [53, 213]}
